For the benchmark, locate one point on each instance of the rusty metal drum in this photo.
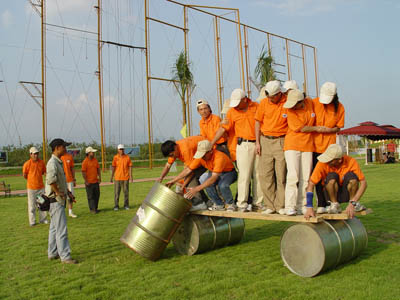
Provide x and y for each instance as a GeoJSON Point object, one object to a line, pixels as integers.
{"type": "Point", "coordinates": [198, 234]}
{"type": "Point", "coordinates": [309, 249]}
{"type": "Point", "coordinates": [155, 222]}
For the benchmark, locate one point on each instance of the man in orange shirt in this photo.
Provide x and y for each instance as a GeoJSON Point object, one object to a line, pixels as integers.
{"type": "Point", "coordinates": [33, 171]}
{"type": "Point", "coordinates": [92, 176]}
{"type": "Point", "coordinates": [240, 117]}
{"type": "Point", "coordinates": [221, 173]}
{"type": "Point", "coordinates": [343, 181]}
{"type": "Point", "coordinates": [184, 150]}
{"type": "Point", "coordinates": [271, 124]}
{"type": "Point", "coordinates": [68, 164]}
{"type": "Point", "coordinates": [122, 168]}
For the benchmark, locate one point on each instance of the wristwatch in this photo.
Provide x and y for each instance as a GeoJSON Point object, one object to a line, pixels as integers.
{"type": "Point", "coordinates": [354, 203]}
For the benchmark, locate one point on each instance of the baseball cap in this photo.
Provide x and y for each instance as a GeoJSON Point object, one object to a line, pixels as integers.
{"type": "Point", "coordinates": [33, 150]}
{"type": "Point", "coordinates": [273, 87]}
{"type": "Point", "coordinates": [90, 149]}
{"type": "Point", "coordinates": [201, 102]}
{"type": "Point", "coordinates": [236, 96]}
{"type": "Point", "coordinates": [290, 85]}
{"type": "Point", "coordinates": [262, 94]}
{"type": "Point", "coordinates": [226, 107]}
{"type": "Point", "coordinates": [334, 151]}
{"type": "Point", "coordinates": [328, 90]}
{"type": "Point", "coordinates": [202, 148]}
{"type": "Point", "coordinates": [293, 97]}
{"type": "Point", "coordinates": [121, 146]}
{"type": "Point", "coordinates": [58, 142]}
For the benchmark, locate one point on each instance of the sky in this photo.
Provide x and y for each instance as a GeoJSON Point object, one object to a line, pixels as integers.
{"type": "Point", "coordinates": [357, 46]}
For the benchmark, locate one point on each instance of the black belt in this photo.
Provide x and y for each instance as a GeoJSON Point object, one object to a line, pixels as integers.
{"type": "Point", "coordinates": [273, 137]}
{"type": "Point", "coordinates": [223, 144]}
{"type": "Point", "coordinates": [241, 140]}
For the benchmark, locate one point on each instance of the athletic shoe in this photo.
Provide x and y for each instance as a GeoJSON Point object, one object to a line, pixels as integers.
{"type": "Point", "coordinates": [291, 212]}
{"type": "Point", "coordinates": [126, 207]}
{"type": "Point", "coordinates": [44, 222]}
{"type": "Point", "coordinates": [54, 257]}
{"type": "Point", "coordinates": [334, 208]}
{"type": "Point", "coordinates": [34, 224]}
{"type": "Point", "coordinates": [116, 208]}
{"type": "Point", "coordinates": [231, 207]}
{"type": "Point", "coordinates": [217, 207]}
{"type": "Point", "coordinates": [268, 211]}
{"type": "Point", "coordinates": [243, 209]}
{"type": "Point", "coordinates": [200, 206]}
{"type": "Point", "coordinates": [359, 207]}
{"type": "Point", "coordinates": [256, 208]}
{"type": "Point", "coordinates": [69, 261]}
{"type": "Point", "coordinates": [321, 210]}
{"type": "Point", "coordinates": [282, 211]}
{"type": "Point", "coordinates": [72, 215]}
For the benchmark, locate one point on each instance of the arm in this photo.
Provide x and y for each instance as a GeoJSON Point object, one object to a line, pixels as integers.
{"type": "Point", "coordinates": [73, 174]}
{"type": "Point", "coordinates": [112, 173]}
{"type": "Point", "coordinates": [54, 188]}
{"type": "Point", "coordinates": [350, 208]}
{"type": "Point", "coordinates": [186, 171]}
{"type": "Point", "coordinates": [164, 172]}
{"type": "Point", "coordinates": [130, 173]}
{"type": "Point", "coordinates": [258, 146]}
{"type": "Point", "coordinates": [84, 177]}
{"type": "Point", "coordinates": [220, 132]}
{"type": "Point", "coordinates": [210, 181]}
{"type": "Point", "coordinates": [320, 129]}
{"type": "Point", "coordinates": [99, 175]}
{"type": "Point", "coordinates": [26, 176]}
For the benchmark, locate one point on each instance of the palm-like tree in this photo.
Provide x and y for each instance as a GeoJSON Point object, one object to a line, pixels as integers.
{"type": "Point", "coordinates": [183, 81]}
{"type": "Point", "coordinates": [264, 71]}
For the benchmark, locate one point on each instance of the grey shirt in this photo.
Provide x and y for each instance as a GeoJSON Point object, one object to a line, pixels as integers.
{"type": "Point", "coordinates": [55, 174]}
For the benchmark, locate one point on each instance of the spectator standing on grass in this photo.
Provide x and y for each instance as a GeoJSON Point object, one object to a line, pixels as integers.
{"type": "Point", "coordinates": [69, 170]}
{"type": "Point", "coordinates": [92, 176]}
{"type": "Point", "coordinates": [33, 171]}
{"type": "Point", "coordinates": [56, 187]}
{"type": "Point", "coordinates": [122, 169]}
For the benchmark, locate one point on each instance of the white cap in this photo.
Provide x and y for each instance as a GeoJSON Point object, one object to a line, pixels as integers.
{"type": "Point", "coordinates": [226, 107]}
{"type": "Point", "coordinates": [290, 85]}
{"type": "Point", "coordinates": [262, 94]}
{"type": "Point", "coordinates": [293, 97]}
{"type": "Point", "coordinates": [33, 150]}
{"type": "Point", "coordinates": [328, 91]}
{"type": "Point", "coordinates": [236, 96]}
{"type": "Point", "coordinates": [201, 102]}
{"type": "Point", "coordinates": [273, 87]}
{"type": "Point", "coordinates": [202, 148]}
{"type": "Point", "coordinates": [90, 149]}
{"type": "Point", "coordinates": [121, 146]}
{"type": "Point", "coordinates": [334, 151]}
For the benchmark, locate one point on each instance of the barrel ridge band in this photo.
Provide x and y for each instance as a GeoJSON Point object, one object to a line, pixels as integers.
{"type": "Point", "coordinates": [215, 233]}
{"type": "Point", "coordinates": [339, 240]}
{"type": "Point", "coordinates": [161, 212]}
{"type": "Point", "coordinates": [230, 231]}
{"type": "Point", "coordinates": [354, 240]}
{"type": "Point", "coordinates": [148, 231]}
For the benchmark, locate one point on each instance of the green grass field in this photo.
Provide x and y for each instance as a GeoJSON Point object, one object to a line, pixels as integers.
{"type": "Point", "coordinates": [252, 269]}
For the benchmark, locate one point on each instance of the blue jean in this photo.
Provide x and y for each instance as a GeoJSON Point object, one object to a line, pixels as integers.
{"type": "Point", "coordinates": [223, 182]}
{"type": "Point", "coordinates": [58, 234]}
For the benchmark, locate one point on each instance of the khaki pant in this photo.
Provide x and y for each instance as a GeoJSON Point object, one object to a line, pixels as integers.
{"type": "Point", "coordinates": [272, 172]}
{"type": "Point", "coordinates": [299, 166]}
{"type": "Point", "coordinates": [118, 185]}
{"type": "Point", "coordinates": [247, 163]}
{"type": "Point", "coordinates": [32, 207]}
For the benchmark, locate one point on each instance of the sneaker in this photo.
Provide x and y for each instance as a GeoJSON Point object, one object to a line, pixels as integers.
{"type": "Point", "coordinates": [72, 215]}
{"type": "Point", "coordinates": [34, 224]}
{"type": "Point", "coordinates": [54, 257]}
{"type": "Point", "coordinates": [359, 207]}
{"type": "Point", "coordinates": [116, 208]}
{"type": "Point", "coordinates": [69, 261]}
{"type": "Point", "coordinates": [321, 210]}
{"type": "Point", "coordinates": [268, 211]}
{"type": "Point", "coordinates": [291, 212]}
{"type": "Point", "coordinates": [126, 207]}
{"type": "Point", "coordinates": [217, 207]}
{"type": "Point", "coordinates": [200, 206]}
{"type": "Point", "coordinates": [231, 207]}
{"type": "Point", "coordinates": [282, 211]}
{"type": "Point", "coordinates": [243, 209]}
{"type": "Point", "coordinates": [256, 208]}
{"type": "Point", "coordinates": [209, 203]}
{"type": "Point", "coordinates": [334, 208]}
{"type": "Point", "coordinates": [93, 211]}
{"type": "Point", "coordinates": [44, 222]}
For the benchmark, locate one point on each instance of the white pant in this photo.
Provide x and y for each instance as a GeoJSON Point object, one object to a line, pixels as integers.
{"type": "Point", "coordinates": [299, 166]}
{"type": "Point", "coordinates": [247, 163]}
{"type": "Point", "coordinates": [32, 207]}
{"type": "Point", "coordinates": [70, 186]}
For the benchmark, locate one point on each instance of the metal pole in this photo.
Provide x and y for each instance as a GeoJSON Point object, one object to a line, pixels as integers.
{"type": "Point", "coordinates": [304, 69]}
{"type": "Point", "coordinates": [100, 76]}
{"type": "Point", "coordinates": [269, 44]}
{"type": "Point", "coordinates": [243, 85]}
{"type": "Point", "coordinates": [218, 63]}
{"type": "Point", "coordinates": [188, 119]}
{"type": "Point", "coordinates": [316, 72]}
{"type": "Point", "coordinates": [288, 59]}
{"type": "Point", "coordinates": [246, 55]}
{"type": "Point", "coordinates": [148, 83]}
{"type": "Point", "coordinates": [43, 52]}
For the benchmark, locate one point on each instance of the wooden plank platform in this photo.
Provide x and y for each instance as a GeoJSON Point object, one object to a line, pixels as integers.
{"type": "Point", "coordinates": [277, 217]}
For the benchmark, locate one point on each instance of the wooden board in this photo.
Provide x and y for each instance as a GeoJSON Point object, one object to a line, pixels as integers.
{"type": "Point", "coordinates": [276, 217]}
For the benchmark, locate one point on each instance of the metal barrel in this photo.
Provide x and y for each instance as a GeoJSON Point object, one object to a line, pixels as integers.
{"type": "Point", "coordinates": [155, 222]}
{"type": "Point", "coordinates": [198, 234]}
{"type": "Point", "coordinates": [309, 249]}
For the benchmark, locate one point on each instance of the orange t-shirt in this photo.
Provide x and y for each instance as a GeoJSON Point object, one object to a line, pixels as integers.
{"type": "Point", "coordinates": [34, 170]}
{"type": "Point", "coordinates": [218, 163]}
{"type": "Point", "coordinates": [325, 115]}
{"type": "Point", "coordinates": [273, 117]}
{"type": "Point", "coordinates": [232, 143]}
{"type": "Point", "coordinates": [68, 164]}
{"type": "Point", "coordinates": [297, 119]}
{"type": "Point", "coordinates": [186, 148]}
{"type": "Point", "coordinates": [242, 122]}
{"type": "Point", "coordinates": [90, 167]}
{"type": "Point", "coordinates": [209, 127]}
{"type": "Point", "coordinates": [349, 164]}
{"type": "Point", "coordinates": [121, 165]}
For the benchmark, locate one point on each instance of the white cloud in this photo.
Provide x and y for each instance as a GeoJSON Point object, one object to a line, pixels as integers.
{"type": "Point", "coordinates": [53, 8]}
{"type": "Point", "coordinates": [79, 103]}
{"type": "Point", "coordinates": [7, 19]}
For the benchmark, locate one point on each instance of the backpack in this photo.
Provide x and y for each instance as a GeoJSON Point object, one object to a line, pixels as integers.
{"type": "Point", "coordinates": [43, 202]}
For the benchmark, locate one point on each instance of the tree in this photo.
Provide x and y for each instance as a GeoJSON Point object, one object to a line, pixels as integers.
{"type": "Point", "coordinates": [263, 71]}
{"type": "Point", "coordinates": [183, 81]}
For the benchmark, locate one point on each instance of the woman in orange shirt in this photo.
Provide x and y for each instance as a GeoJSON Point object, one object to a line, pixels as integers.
{"type": "Point", "coordinates": [329, 115]}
